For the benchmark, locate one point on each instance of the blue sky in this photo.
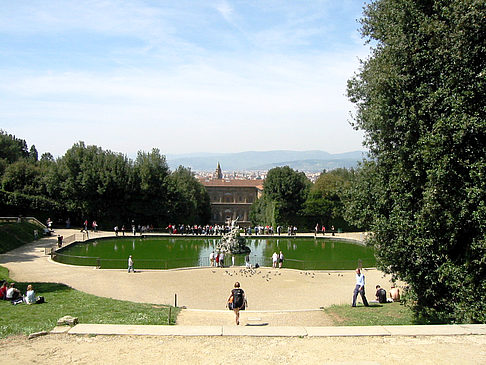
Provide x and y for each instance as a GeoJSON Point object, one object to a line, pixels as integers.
{"type": "Point", "coordinates": [181, 76]}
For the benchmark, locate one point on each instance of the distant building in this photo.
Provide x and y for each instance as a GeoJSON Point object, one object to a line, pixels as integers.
{"type": "Point", "coordinates": [231, 198]}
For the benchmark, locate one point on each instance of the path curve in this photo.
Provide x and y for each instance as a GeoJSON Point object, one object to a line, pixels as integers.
{"type": "Point", "coordinates": [197, 288]}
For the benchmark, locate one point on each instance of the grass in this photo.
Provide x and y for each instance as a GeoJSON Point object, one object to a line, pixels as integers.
{"type": "Point", "coordinates": [374, 315]}
{"type": "Point", "coordinates": [62, 300]}
{"type": "Point", "coordinates": [13, 235]}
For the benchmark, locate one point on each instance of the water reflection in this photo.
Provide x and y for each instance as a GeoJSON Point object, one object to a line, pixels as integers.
{"type": "Point", "coordinates": [183, 252]}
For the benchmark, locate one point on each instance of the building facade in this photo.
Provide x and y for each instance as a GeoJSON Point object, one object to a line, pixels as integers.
{"type": "Point", "coordinates": [231, 199]}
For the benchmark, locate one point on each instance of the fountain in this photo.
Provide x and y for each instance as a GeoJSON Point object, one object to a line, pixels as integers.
{"type": "Point", "coordinates": [232, 242]}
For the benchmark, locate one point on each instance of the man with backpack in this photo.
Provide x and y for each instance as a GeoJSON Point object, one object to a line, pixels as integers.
{"type": "Point", "coordinates": [237, 301]}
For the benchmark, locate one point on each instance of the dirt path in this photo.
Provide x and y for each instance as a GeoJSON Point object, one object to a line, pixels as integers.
{"type": "Point", "coordinates": [200, 288]}
{"type": "Point", "coordinates": [66, 349]}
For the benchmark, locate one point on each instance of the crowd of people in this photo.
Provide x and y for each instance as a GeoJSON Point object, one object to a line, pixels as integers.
{"type": "Point", "coordinates": [11, 293]}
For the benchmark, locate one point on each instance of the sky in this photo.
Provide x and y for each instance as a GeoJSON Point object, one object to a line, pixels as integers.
{"type": "Point", "coordinates": [181, 76]}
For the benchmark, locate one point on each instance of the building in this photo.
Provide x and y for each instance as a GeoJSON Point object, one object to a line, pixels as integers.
{"type": "Point", "coordinates": [231, 199]}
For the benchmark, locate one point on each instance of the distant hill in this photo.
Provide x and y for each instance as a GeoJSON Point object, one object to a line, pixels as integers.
{"type": "Point", "coordinates": [311, 161]}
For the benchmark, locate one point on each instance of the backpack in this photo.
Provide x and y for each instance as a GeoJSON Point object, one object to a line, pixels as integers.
{"type": "Point", "coordinates": [237, 298]}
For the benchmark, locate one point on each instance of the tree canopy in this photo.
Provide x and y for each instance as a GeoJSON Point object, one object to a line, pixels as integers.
{"type": "Point", "coordinates": [421, 100]}
{"type": "Point", "coordinates": [88, 182]}
{"type": "Point", "coordinates": [284, 193]}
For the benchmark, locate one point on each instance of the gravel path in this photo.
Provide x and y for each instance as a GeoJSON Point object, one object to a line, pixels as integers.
{"type": "Point", "coordinates": [199, 288]}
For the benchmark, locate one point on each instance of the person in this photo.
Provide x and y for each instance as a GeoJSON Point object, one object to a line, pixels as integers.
{"type": "Point", "coordinates": [59, 240]}
{"type": "Point", "coordinates": [380, 294]}
{"type": "Point", "coordinates": [274, 260]}
{"type": "Point", "coordinates": [130, 264]}
{"type": "Point", "coordinates": [49, 224]}
{"type": "Point", "coordinates": [332, 230]}
{"type": "Point", "coordinates": [211, 259]}
{"type": "Point", "coordinates": [247, 261]}
{"type": "Point", "coordinates": [221, 259]}
{"type": "Point", "coordinates": [123, 230]}
{"type": "Point", "coordinates": [232, 260]}
{"type": "Point", "coordinates": [323, 230]}
{"type": "Point", "coordinates": [316, 229]}
{"type": "Point", "coordinates": [3, 291]}
{"type": "Point", "coordinates": [13, 293]}
{"type": "Point", "coordinates": [116, 231]}
{"type": "Point", "coordinates": [134, 229]}
{"type": "Point", "coordinates": [280, 260]}
{"type": "Point", "coordinates": [237, 301]}
{"type": "Point", "coordinates": [30, 295]}
{"type": "Point", "coordinates": [395, 293]}
{"type": "Point", "coordinates": [359, 288]}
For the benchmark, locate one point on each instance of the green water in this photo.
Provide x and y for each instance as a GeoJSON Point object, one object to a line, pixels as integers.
{"type": "Point", "coordinates": [170, 252]}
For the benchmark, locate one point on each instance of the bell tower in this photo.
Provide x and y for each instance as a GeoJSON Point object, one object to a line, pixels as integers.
{"type": "Point", "coordinates": [218, 174]}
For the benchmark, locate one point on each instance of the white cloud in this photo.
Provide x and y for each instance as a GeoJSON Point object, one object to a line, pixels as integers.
{"type": "Point", "coordinates": [225, 10]}
{"type": "Point", "coordinates": [185, 85]}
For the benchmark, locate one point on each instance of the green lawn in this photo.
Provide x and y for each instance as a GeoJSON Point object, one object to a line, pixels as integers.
{"type": "Point", "coordinates": [374, 315]}
{"type": "Point", "coordinates": [62, 300]}
{"type": "Point", "coordinates": [13, 235]}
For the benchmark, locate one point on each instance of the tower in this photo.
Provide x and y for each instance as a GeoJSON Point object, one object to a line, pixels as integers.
{"type": "Point", "coordinates": [218, 174]}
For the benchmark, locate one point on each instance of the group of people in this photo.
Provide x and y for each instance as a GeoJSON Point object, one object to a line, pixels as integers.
{"type": "Point", "coordinates": [216, 259]}
{"type": "Point", "coordinates": [206, 230]}
{"type": "Point", "coordinates": [12, 294]}
{"type": "Point", "coordinates": [322, 229]}
{"type": "Point", "coordinates": [277, 260]}
{"type": "Point", "coordinates": [380, 292]}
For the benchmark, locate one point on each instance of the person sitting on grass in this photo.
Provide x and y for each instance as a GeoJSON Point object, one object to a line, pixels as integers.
{"type": "Point", "coordinates": [13, 293]}
{"type": "Point", "coordinates": [395, 293]}
{"type": "Point", "coordinates": [30, 295]}
{"type": "Point", "coordinates": [380, 294]}
{"type": "Point", "coordinates": [3, 290]}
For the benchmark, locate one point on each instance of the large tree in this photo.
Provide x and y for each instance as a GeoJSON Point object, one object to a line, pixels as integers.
{"type": "Point", "coordinates": [421, 100]}
{"type": "Point", "coordinates": [323, 204]}
{"type": "Point", "coordinates": [284, 193]}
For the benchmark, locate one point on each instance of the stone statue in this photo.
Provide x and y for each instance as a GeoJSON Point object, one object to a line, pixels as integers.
{"type": "Point", "coordinates": [232, 242]}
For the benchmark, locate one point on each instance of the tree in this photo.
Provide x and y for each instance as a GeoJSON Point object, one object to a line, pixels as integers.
{"type": "Point", "coordinates": [189, 198]}
{"type": "Point", "coordinates": [93, 183]}
{"type": "Point", "coordinates": [23, 177]}
{"type": "Point", "coordinates": [151, 176]}
{"type": "Point", "coordinates": [285, 191]}
{"type": "Point", "coordinates": [323, 204]}
{"type": "Point", "coordinates": [11, 150]}
{"type": "Point", "coordinates": [421, 100]}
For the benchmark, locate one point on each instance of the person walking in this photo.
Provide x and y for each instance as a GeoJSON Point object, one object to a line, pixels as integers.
{"type": "Point", "coordinates": [130, 264]}
{"type": "Point", "coordinates": [359, 288]}
{"type": "Point", "coordinates": [280, 260]}
{"type": "Point", "coordinates": [237, 301]}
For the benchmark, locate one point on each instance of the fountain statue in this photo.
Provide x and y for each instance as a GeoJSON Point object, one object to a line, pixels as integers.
{"type": "Point", "coordinates": [232, 242]}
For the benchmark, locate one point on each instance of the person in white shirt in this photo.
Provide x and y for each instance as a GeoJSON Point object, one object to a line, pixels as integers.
{"type": "Point", "coordinates": [274, 260]}
{"type": "Point", "coordinates": [359, 288]}
{"type": "Point", "coordinates": [130, 264]}
{"type": "Point", "coordinates": [30, 295]}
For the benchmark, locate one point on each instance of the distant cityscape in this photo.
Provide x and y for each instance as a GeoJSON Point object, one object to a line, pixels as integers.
{"type": "Point", "coordinates": [254, 165]}
{"type": "Point", "coordinates": [247, 175]}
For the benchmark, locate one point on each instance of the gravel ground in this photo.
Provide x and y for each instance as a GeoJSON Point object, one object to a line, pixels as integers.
{"type": "Point", "coordinates": [67, 349]}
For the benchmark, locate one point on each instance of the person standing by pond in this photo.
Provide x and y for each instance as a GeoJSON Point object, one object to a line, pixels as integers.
{"type": "Point", "coordinates": [359, 288]}
{"type": "Point", "coordinates": [237, 301]}
{"type": "Point", "coordinates": [280, 260]}
{"type": "Point", "coordinates": [130, 264]}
